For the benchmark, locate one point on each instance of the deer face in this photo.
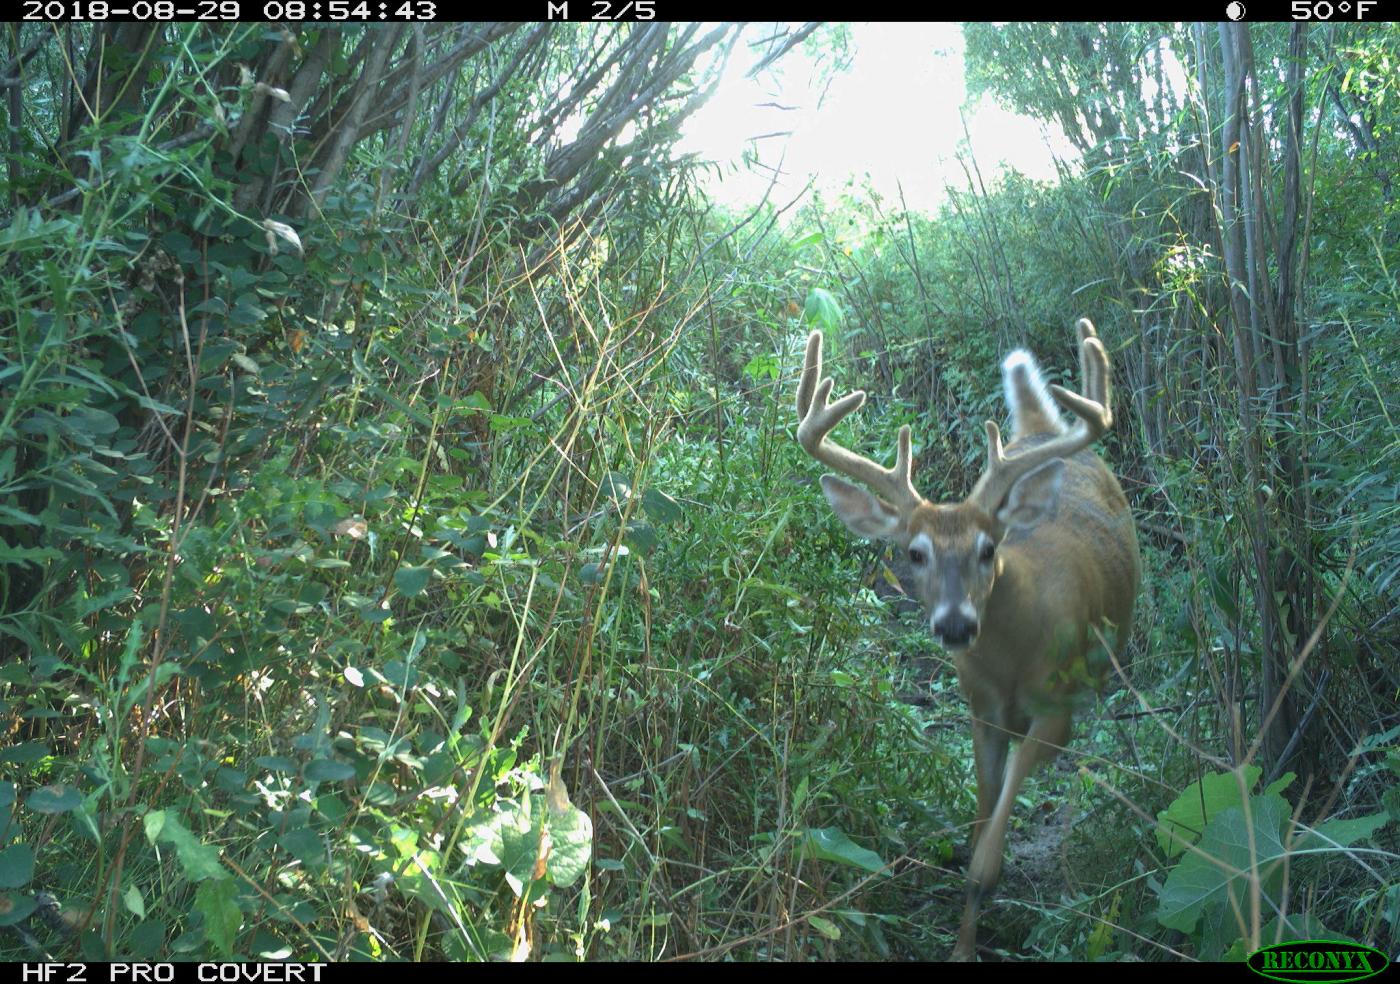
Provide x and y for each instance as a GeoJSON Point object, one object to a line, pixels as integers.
{"type": "Point", "coordinates": [952, 555]}
{"type": "Point", "coordinates": [952, 548]}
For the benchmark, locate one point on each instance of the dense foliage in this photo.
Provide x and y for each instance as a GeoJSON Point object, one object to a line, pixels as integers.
{"type": "Point", "coordinates": [404, 553]}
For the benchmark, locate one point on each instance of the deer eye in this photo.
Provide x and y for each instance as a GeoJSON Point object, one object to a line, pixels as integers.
{"type": "Point", "coordinates": [988, 550]}
{"type": "Point", "coordinates": [917, 556]}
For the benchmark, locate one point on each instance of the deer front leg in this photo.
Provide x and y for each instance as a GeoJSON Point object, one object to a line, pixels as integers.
{"type": "Point", "coordinates": [1047, 735]}
{"type": "Point", "coordinates": [989, 746]}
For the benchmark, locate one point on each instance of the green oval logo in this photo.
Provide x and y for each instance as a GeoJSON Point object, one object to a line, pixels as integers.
{"type": "Point", "coordinates": [1310, 961]}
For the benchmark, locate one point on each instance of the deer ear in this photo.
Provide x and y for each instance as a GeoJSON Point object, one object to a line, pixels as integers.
{"type": "Point", "coordinates": [864, 514]}
{"type": "Point", "coordinates": [1034, 497]}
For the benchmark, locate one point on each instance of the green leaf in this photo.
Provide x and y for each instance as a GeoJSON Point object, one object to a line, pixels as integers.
{"type": "Point", "coordinates": [16, 866]}
{"type": "Point", "coordinates": [832, 844]}
{"type": "Point", "coordinates": [481, 841]}
{"type": "Point", "coordinates": [14, 517]}
{"type": "Point", "coordinates": [825, 927]}
{"type": "Point", "coordinates": [135, 905]}
{"type": "Point", "coordinates": [400, 674]}
{"type": "Point", "coordinates": [16, 672]}
{"type": "Point", "coordinates": [520, 843]}
{"type": "Point", "coordinates": [25, 752]}
{"type": "Point", "coordinates": [328, 770]}
{"type": "Point", "coordinates": [15, 908]}
{"type": "Point", "coordinates": [418, 876]}
{"type": "Point", "coordinates": [1295, 926]}
{"type": "Point", "coordinates": [381, 794]}
{"type": "Point", "coordinates": [799, 796]}
{"type": "Point", "coordinates": [305, 845]}
{"type": "Point", "coordinates": [1182, 822]}
{"type": "Point", "coordinates": [661, 507]}
{"type": "Point", "coordinates": [33, 555]}
{"type": "Point", "coordinates": [616, 486]}
{"type": "Point", "coordinates": [412, 580]}
{"type": "Point", "coordinates": [245, 363]}
{"type": "Point", "coordinates": [275, 763]}
{"type": "Point", "coordinates": [501, 423]}
{"type": "Point", "coordinates": [84, 821]}
{"type": "Point", "coordinates": [222, 917]}
{"type": "Point", "coordinates": [148, 938]}
{"type": "Point", "coordinates": [822, 310]}
{"type": "Point", "coordinates": [571, 839]}
{"type": "Point", "coordinates": [641, 536]}
{"type": "Point", "coordinates": [330, 806]}
{"type": "Point", "coordinates": [57, 798]}
{"type": "Point", "coordinates": [1337, 834]}
{"type": "Point", "coordinates": [26, 227]}
{"type": "Point", "coordinates": [91, 422]}
{"type": "Point", "coordinates": [374, 614]}
{"type": "Point", "coordinates": [86, 606]}
{"type": "Point", "coordinates": [761, 366]}
{"type": "Point", "coordinates": [1232, 850]}
{"type": "Point", "coordinates": [199, 860]}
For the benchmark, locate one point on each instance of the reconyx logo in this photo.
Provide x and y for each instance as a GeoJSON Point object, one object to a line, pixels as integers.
{"type": "Point", "coordinates": [1309, 961]}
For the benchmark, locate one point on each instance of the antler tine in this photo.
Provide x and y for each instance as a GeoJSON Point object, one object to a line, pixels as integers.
{"type": "Point", "coordinates": [1085, 328]}
{"type": "Point", "coordinates": [819, 418]}
{"type": "Point", "coordinates": [1091, 407]}
{"type": "Point", "coordinates": [811, 372]}
{"type": "Point", "coordinates": [1093, 365]}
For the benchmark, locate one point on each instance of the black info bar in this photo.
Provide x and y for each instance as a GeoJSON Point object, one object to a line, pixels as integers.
{"type": "Point", "coordinates": [209, 972]}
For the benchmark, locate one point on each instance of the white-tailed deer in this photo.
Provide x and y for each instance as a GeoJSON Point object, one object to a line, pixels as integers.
{"type": "Point", "coordinates": [1016, 578]}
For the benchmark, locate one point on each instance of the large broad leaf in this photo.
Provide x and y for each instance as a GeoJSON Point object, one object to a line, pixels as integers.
{"type": "Point", "coordinates": [825, 926]}
{"type": "Point", "coordinates": [26, 751]}
{"type": "Point", "coordinates": [616, 486]}
{"type": "Point", "coordinates": [199, 860]}
{"type": "Point", "coordinates": [57, 798]}
{"type": "Point", "coordinates": [135, 904]}
{"type": "Point", "coordinates": [412, 580]}
{"type": "Point", "coordinates": [305, 845]}
{"type": "Point", "coordinates": [570, 833]}
{"type": "Point", "coordinates": [1336, 834]}
{"type": "Point", "coordinates": [16, 866]}
{"type": "Point", "coordinates": [534, 841]}
{"type": "Point", "coordinates": [661, 507]}
{"type": "Point", "coordinates": [641, 536]}
{"type": "Point", "coordinates": [328, 770]}
{"type": "Point", "coordinates": [481, 842]}
{"type": "Point", "coordinates": [822, 311]}
{"type": "Point", "coordinates": [520, 842]}
{"type": "Point", "coordinates": [418, 877]}
{"type": "Point", "coordinates": [33, 555]}
{"type": "Point", "coordinates": [148, 937]}
{"type": "Point", "coordinates": [1232, 848]}
{"type": "Point", "coordinates": [831, 844]}
{"type": "Point", "coordinates": [1182, 822]}
{"type": "Point", "coordinates": [15, 908]}
{"type": "Point", "coordinates": [222, 917]}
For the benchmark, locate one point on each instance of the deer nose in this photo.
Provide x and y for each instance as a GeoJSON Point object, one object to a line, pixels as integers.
{"type": "Point", "coordinates": [955, 629]}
